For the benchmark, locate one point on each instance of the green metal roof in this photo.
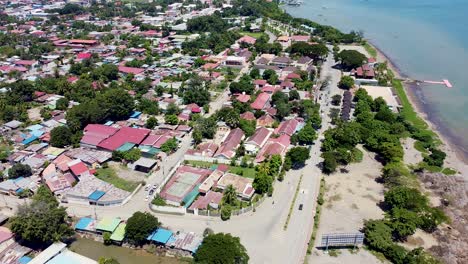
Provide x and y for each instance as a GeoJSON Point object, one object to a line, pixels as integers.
{"type": "Point", "coordinates": [108, 224]}
{"type": "Point", "coordinates": [119, 233]}
{"type": "Point", "coordinates": [126, 146]}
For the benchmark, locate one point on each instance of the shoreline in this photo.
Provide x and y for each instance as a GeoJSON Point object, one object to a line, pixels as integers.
{"type": "Point", "coordinates": [455, 154]}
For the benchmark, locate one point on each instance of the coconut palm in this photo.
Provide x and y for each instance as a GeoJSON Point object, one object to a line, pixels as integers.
{"type": "Point", "coordinates": [230, 195]}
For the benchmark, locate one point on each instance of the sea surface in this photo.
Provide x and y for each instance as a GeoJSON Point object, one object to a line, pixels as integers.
{"type": "Point", "coordinates": [425, 39]}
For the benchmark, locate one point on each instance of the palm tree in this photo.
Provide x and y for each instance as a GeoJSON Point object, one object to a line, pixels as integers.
{"type": "Point", "coordinates": [230, 195]}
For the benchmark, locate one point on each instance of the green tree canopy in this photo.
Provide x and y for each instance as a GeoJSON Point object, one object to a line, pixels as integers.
{"type": "Point", "coordinates": [139, 227]}
{"type": "Point", "coordinates": [346, 82]}
{"type": "Point", "coordinates": [60, 136]}
{"type": "Point", "coordinates": [41, 222]}
{"type": "Point", "coordinates": [19, 170]}
{"type": "Point", "coordinates": [351, 59]}
{"type": "Point", "coordinates": [297, 156]}
{"type": "Point", "coordinates": [221, 248]}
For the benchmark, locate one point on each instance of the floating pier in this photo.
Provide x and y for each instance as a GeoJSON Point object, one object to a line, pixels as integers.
{"type": "Point", "coordinates": [443, 82]}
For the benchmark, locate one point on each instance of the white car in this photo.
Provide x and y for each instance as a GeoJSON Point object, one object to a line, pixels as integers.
{"type": "Point", "coordinates": [147, 198]}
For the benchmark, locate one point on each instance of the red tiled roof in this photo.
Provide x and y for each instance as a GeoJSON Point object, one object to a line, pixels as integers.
{"type": "Point", "coordinates": [78, 168]}
{"type": "Point", "coordinates": [287, 127]}
{"type": "Point", "coordinates": [259, 137]}
{"type": "Point", "coordinates": [274, 146]}
{"type": "Point", "coordinates": [95, 133]}
{"type": "Point", "coordinates": [247, 39]}
{"type": "Point", "coordinates": [25, 62]}
{"type": "Point", "coordinates": [248, 116]}
{"type": "Point", "coordinates": [243, 98]}
{"type": "Point", "coordinates": [228, 149]}
{"type": "Point", "coordinates": [131, 70]}
{"type": "Point", "coordinates": [260, 82]}
{"type": "Point", "coordinates": [300, 38]}
{"type": "Point", "coordinates": [124, 135]}
{"type": "Point", "coordinates": [83, 55]}
{"type": "Point", "coordinates": [83, 41]}
{"type": "Point", "coordinates": [260, 101]}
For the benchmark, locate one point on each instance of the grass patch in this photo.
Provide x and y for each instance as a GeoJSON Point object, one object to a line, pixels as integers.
{"type": "Point", "coordinates": [320, 202]}
{"type": "Point", "coordinates": [408, 111]}
{"type": "Point", "coordinates": [159, 201]}
{"type": "Point", "coordinates": [110, 176]}
{"type": "Point", "coordinates": [334, 253]}
{"type": "Point", "coordinates": [449, 171]}
{"type": "Point", "coordinates": [244, 172]}
{"type": "Point", "coordinates": [419, 146]}
{"type": "Point", "coordinates": [371, 50]}
{"type": "Point", "coordinates": [252, 34]}
{"type": "Point", "coordinates": [357, 155]}
{"type": "Point", "coordinates": [293, 203]}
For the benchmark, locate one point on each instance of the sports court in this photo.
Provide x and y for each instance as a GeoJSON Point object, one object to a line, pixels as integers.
{"type": "Point", "coordinates": [182, 182]}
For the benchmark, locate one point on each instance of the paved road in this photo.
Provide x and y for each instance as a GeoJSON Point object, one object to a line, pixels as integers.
{"type": "Point", "coordinates": [262, 231]}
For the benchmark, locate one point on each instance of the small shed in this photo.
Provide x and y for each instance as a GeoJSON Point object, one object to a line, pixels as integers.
{"type": "Point", "coordinates": [119, 233]}
{"type": "Point", "coordinates": [108, 225]}
{"type": "Point", "coordinates": [86, 224]}
{"type": "Point", "coordinates": [160, 236]}
{"type": "Point", "coordinates": [144, 164]}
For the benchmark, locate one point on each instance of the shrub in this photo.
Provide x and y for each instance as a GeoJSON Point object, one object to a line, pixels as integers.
{"type": "Point", "coordinates": [226, 212]}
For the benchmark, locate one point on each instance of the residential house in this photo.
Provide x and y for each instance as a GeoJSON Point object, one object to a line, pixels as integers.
{"type": "Point", "coordinates": [231, 142]}
{"type": "Point", "coordinates": [257, 140]}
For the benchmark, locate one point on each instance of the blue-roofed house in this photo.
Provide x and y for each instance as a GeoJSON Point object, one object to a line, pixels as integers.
{"type": "Point", "coordinates": [160, 236]}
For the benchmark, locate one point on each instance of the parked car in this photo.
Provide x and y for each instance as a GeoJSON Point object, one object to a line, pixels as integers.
{"type": "Point", "coordinates": [300, 207]}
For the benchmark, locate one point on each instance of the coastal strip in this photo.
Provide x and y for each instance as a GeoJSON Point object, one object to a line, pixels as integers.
{"type": "Point", "coordinates": [456, 154]}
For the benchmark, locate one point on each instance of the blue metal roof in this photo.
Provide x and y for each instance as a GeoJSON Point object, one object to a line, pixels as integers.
{"type": "Point", "coordinates": [29, 140]}
{"type": "Point", "coordinates": [161, 235]}
{"type": "Point", "coordinates": [35, 127]}
{"type": "Point", "coordinates": [83, 223]}
{"type": "Point", "coordinates": [135, 114]}
{"type": "Point", "coordinates": [24, 259]}
{"type": "Point", "coordinates": [96, 195]}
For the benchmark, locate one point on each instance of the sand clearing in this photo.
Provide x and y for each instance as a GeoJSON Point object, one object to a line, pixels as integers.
{"type": "Point", "coordinates": [350, 199]}
{"type": "Point", "coordinates": [412, 155]}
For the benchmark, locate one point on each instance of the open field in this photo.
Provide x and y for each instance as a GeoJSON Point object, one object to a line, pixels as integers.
{"type": "Point", "coordinates": [350, 198]}
{"type": "Point", "coordinates": [244, 172]}
{"type": "Point", "coordinates": [109, 175]}
{"type": "Point", "coordinates": [253, 34]}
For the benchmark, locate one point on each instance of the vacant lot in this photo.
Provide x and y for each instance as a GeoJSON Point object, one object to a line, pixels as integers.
{"type": "Point", "coordinates": [245, 172]}
{"type": "Point", "coordinates": [350, 198]}
{"type": "Point", "coordinates": [109, 175]}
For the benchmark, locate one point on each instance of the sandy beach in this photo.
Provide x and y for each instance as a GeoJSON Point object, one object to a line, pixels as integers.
{"type": "Point", "coordinates": [456, 156]}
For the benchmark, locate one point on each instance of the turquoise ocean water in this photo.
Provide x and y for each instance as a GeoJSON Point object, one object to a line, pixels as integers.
{"type": "Point", "coordinates": [426, 39]}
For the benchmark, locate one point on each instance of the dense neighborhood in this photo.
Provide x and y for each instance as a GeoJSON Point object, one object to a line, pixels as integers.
{"type": "Point", "coordinates": [182, 109]}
